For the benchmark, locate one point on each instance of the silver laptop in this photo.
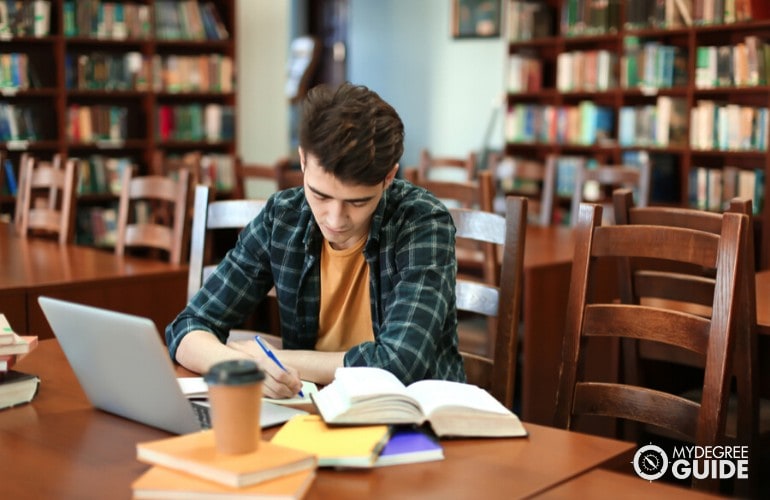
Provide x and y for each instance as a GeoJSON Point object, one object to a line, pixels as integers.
{"type": "Point", "coordinates": [124, 368]}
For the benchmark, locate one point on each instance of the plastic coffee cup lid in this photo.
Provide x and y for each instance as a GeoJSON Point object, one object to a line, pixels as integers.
{"type": "Point", "coordinates": [234, 372]}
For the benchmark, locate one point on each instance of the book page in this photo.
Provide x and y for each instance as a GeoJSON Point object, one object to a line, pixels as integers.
{"type": "Point", "coordinates": [439, 394]}
{"type": "Point", "coordinates": [360, 383]}
{"type": "Point", "coordinates": [196, 388]}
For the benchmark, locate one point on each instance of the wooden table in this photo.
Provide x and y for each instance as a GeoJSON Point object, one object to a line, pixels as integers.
{"type": "Point", "coordinates": [60, 447]}
{"type": "Point", "coordinates": [30, 267]}
{"type": "Point", "coordinates": [600, 483]}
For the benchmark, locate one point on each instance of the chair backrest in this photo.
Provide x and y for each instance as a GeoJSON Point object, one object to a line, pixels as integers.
{"type": "Point", "coordinates": [692, 289]}
{"type": "Point", "coordinates": [153, 213]}
{"type": "Point", "coordinates": [213, 215]}
{"type": "Point", "coordinates": [476, 194]}
{"type": "Point", "coordinates": [533, 179]}
{"type": "Point", "coordinates": [711, 338]}
{"type": "Point", "coordinates": [447, 168]}
{"type": "Point", "coordinates": [169, 165]}
{"type": "Point", "coordinates": [252, 171]}
{"type": "Point", "coordinates": [496, 372]}
{"type": "Point", "coordinates": [606, 178]}
{"type": "Point", "coordinates": [46, 198]}
{"type": "Point", "coordinates": [287, 175]}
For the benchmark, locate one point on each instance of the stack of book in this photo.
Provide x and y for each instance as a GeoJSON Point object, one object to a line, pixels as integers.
{"type": "Point", "coordinates": [15, 387]}
{"type": "Point", "coordinates": [189, 466]}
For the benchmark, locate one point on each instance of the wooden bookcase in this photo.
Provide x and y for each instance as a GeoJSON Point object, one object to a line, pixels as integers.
{"type": "Point", "coordinates": [88, 60]}
{"type": "Point", "coordinates": [674, 163]}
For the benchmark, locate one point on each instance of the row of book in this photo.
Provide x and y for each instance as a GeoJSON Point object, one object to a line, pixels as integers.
{"type": "Point", "coordinates": [661, 124]}
{"type": "Point", "coordinates": [588, 70]}
{"type": "Point", "coordinates": [15, 387]}
{"type": "Point", "coordinates": [87, 124]}
{"type": "Point", "coordinates": [16, 72]}
{"type": "Point", "coordinates": [174, 20]}
{"type": "Point", "coordinates": [97, 226]}
{"type": "Point", "coordinates": [650, 63]}
{"type": "Point", "coordinates": [188, 20]}
{"type": "Point", "coordinates": [134, 71]}
{"type": "Point", "coordinates": [112, 20]}
{"type": "Point", "coordinates": [584, 18]}
{"type": "Point", "coordinates": [18, 122]}
{"type": "Point", "coordinates": [728, 127]}
{"type": "Point", "coordinates": [195, 122]}
{"type": "Point", "coordinates": [30, 18]}
{"type": "Point", "coordinates": [713, 188]}
{"type": "Point", "coordinates": [101, 174]}
{"type": "Point", "coordinates": [529, 20]}
{"type": "Point", "coordinates": [584, 124]}
{"type": "Point", "coordinates": [746, 63]}
{"type": "Point", "coordinates": [525, 73]}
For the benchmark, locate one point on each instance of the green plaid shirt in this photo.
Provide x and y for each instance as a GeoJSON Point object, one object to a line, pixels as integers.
{"type": "Point", "coordinates": [411, 255]}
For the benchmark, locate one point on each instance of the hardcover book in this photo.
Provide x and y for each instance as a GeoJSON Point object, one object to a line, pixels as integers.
{"type": "Point", "coordinates": [368, 395]}
{"type": "Point", "coordinates": [196, 454]}
{"type": "Point", "coordinates": [354, 447]}
{"type": "Point", "coordinates": [160, 482]}
{"type": "Point", "coordinates": [17, 388]}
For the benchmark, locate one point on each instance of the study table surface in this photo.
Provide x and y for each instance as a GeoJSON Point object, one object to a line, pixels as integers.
{"type": "Point", "coordinates": [59, 447]}
{"type": "Point", "coordinates": [30, 267]}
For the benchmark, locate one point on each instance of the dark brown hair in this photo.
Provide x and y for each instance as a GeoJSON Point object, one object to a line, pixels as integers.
{"type": "Point", "coordinates": [355, 135]}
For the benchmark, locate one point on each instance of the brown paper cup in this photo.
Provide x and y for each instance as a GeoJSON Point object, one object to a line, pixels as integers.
{"type": "Point", "coordinates": [235, 395]}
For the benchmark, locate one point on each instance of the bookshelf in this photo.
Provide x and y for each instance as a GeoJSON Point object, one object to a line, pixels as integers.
{"type": "Point", "coordinates": [115, 84]}
{"type": "Point", "coordinates": [686, 85]}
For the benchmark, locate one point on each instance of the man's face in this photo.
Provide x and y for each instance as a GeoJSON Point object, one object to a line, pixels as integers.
{"type": "Point", "coordinates": [343, 211]}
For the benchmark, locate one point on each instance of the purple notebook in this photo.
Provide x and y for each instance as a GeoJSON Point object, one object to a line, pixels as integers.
{"type": "Point", "coordinates": [409, 445]}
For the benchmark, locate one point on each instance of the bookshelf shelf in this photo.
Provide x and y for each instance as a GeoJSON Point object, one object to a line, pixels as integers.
{"type": "Point", "coordinates": [109, 60]}
{"type": "Point", "coordinates": [689, 86]}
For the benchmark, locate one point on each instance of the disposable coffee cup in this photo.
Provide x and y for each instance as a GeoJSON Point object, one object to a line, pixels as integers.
{"type": "Point", "coordinates": [235, 395]}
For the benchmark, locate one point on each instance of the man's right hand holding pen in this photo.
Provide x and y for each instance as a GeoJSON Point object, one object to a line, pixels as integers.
{"type": "Point", "coordinates": [281, 381]}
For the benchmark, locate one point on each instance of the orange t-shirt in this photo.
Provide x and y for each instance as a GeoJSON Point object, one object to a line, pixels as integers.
{"type": "Point", "coordinates": [345, 319]}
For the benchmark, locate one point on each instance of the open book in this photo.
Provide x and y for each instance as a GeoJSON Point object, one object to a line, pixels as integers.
{"type": "Point", "coordinates": [366, 395]}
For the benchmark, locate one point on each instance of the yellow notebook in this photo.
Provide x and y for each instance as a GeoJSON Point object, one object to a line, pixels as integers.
{"type": "Point", "coordinates": [159, 482]}
{"type": "Point", "coordinates": [356, 446]}
{"type": "Point", "coordinates": [196, 454]}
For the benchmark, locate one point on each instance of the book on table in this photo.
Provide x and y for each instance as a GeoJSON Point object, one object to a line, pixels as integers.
{"type": "Point", "coordinates": [354, 447]}
{"type": "Point", "coordinates": [17, 388]}
{"type": "Point", "coordinates": [409, 445]}
{"type": "Point", "coordinates": [160, 482]}
{"type": "Point", "coordinates": [196, 454]}
{"type": "Point", "coordinates": [368, 395]}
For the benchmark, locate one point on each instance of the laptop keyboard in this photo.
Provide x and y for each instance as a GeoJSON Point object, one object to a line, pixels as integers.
{"type": "Point", "coordinates": [203, 413]}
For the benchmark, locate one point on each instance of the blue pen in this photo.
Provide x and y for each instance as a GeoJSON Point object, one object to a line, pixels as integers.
{"type": "Point", "coordinates": [272, 356]}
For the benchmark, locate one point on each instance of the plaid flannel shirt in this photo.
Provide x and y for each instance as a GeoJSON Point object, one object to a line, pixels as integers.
{"type": "Point", "coordinates": [411, 255]}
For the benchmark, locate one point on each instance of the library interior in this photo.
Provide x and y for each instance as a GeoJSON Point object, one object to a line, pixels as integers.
{"type": "Point", "coordinates": [604, 164]}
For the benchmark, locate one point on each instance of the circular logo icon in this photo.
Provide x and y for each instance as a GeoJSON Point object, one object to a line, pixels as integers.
{"type": "Point", "coordinates": [650, 462]}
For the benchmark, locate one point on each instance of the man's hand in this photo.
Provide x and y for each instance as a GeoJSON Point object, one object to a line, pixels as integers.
{"type": "Point", "coordinates": [279, 383]}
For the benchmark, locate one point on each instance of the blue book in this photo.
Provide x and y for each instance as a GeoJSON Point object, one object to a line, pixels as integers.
{"type": "Point", "coordinates": [408, 445]}
{"type": "Point", "coordinates": [10, 176]}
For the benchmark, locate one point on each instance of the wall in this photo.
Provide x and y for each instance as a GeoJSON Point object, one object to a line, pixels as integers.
{"type": "Point", "coordinates": [444, 89]}
{"type": "Point", "coordinates": [263, 40]}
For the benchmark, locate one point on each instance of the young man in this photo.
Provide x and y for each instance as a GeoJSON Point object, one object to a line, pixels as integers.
{"type": "Point", "coordinates": [363, 263]}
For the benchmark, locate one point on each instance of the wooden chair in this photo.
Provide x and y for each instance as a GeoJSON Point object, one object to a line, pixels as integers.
{"type": "Point", "coordinates": [45, 203]}
{"type": "Point", "coordinates": [153, 213]}
{"type": "Point", "coordinates": [262, 171]}
{"type": "Point", "coordinates": [287, 175]}
{"type": "Point", "coordinates": [212, 217]}
{"type": "Point", "coordinates": [446, 168]}
{"type": "Point", "coordinates": [530, 178]}
{"type": "Point", "coordinates": [475, 260]}
{"type": "Point", "coordinates": [607, 178]}
{"type": "Point", "coordinates": [692, 290]}
{"type": "Point", "coordinates": [495, 371]}
{"type": "Point", "coordinates": [712, 339]}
